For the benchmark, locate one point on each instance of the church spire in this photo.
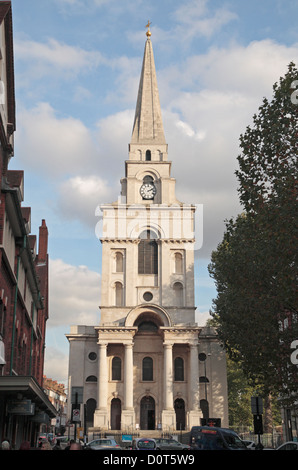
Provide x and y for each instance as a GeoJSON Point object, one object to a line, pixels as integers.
{"type": "Point", "coordinates": [148, 126]}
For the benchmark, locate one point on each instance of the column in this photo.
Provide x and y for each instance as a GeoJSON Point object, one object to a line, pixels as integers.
{"type": "Point", "coordinates": [194, 378]}
{"type": "Point", "coordinates": [101, 415]}
{"type": "Point", "coordinates": [128, 413]}
{"type": "Point", "coordinates": [128, 376]}
{"type": "Point", "coordinates": [195, 413]}
{"type": "Point", "coordinates": [168, 415]}
{"type": "Point", "coordinates": [102, 389]}
{"type": "Point", "coordinates": [168, 376]}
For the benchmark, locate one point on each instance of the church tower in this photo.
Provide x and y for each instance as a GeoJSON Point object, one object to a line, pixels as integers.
{"type": "Point", "coordinates": [143, 363]}
{"type": "Point", "coordinates": [148, 313]}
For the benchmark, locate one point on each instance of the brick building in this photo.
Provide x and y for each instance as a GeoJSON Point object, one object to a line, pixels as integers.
{"type": "Point", "coordinates": [23, 277]}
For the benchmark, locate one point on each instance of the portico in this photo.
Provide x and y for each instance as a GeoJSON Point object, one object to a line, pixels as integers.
{"type": "Point", "coordinates": [152, 352]}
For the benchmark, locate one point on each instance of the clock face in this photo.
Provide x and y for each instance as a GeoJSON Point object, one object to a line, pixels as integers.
{"type": "Point", "coordinates": [148, 191]}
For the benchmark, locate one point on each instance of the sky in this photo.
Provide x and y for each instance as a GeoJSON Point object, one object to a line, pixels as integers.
{"type": "Point", "coordinates": [77, 70]}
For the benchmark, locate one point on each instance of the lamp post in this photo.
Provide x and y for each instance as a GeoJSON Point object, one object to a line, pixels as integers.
{"type": "Point", "coordinates": [203, 358]}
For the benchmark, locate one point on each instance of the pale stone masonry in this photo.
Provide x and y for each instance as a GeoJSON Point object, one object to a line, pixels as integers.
{"type": "Point", "coordinates": [140, 367]}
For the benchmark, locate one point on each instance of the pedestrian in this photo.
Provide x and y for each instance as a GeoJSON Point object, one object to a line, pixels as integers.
{"type": "Point", "coordinates": [25, 445]}
{"type": "Point", "coordinates": [45, 445]}
{"type": "Point", "coordinates": [70, 442]}
{"type": "Point", "coordinates": [57, 445]}
{"type": "Point", "coordinates": [75, 446]}
{"type": "Point", "coordinates": [5, 445]}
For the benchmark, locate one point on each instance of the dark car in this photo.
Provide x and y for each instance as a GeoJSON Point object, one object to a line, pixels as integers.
{"type": "Point", "coordinates": [213, 438]}
{"type": "Point", "coordinates": [170, 444]}
{"type": "Point", "coordinates": [144, 444]}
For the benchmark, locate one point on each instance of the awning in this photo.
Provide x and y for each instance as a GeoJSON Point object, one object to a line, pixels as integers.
{"type": "Point", "coordinates": [26, 387]}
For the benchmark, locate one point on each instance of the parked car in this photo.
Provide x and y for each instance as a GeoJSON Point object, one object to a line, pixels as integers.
{"type": "Point", "coordinates": [144, 444]}
{"type": "Point", "coordinates": [249, 444]}
{"type": "Point", "coordinates": [214, 438]}
{"type": "Point", "coordinates": [104, 443]}
{"type": "Point", "coordinates": [170, 444]}
{"type": "Point", "coordinates": [291, 445]}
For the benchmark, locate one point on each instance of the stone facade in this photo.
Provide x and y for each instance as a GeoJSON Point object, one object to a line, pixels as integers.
{"type": "Point", "coordinates": [140, 367]}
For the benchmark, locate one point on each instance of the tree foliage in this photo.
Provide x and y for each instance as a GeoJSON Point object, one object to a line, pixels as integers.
{"type": "Point", "coordinates": [254, 267]}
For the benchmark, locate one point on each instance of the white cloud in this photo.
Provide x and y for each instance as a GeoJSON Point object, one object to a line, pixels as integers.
{"type": "Point", "coordinates": [80, 196]}
{"type": "Point", "coordinates": [74, 295]}
{"type": "Point", "coordinates": [196, 20]}
{"type": "Point", "coordinates": [40, 58]}
{"type": "Point", "coordinates": [54, 145]}
{"type": "Point", "coordinates": [56, 364]}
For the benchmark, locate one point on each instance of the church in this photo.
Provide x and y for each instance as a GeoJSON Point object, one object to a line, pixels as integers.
{"type": "Point", "coordinates": [147, 365]}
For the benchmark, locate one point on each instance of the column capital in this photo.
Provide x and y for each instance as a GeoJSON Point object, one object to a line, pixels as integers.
{"type": "Point", "coordinates": [168, 344]}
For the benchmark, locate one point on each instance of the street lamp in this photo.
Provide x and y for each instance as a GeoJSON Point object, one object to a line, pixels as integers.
{"type": "Point", "coordinates": [203, 358]}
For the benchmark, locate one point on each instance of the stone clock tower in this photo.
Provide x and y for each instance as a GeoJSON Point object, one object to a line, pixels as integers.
{"type": "Point", "coordinates": [147, 343]}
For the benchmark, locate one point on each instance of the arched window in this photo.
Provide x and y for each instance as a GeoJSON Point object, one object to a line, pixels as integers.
{"type": "Point", "coordinates": [178, 294]}
{"type": "Point", "coordinates": [178, 263]}
{"type": "Point", "coordinates": [91, 378]}
{"type": "Point", "coordinates": [204, 405]}
{"type": "Point", "coordinates": [148, 155]}
{"type": "Point", "coordinates": [179, 369]}
{"type": "Point", "coordinates": [118, 294]}
{"type": "Point", "coordinates": [147, 253]}
{"type": "Point", "coordinates": [147, 369]}
{"type": "Point", "coordinates": [119, 262]}
{"type": "Point", "coordinates": [147, 326]}
{"type": "Point", "coordinates": [148, 179]}
{"type": "Point", "coordinates": [203, 379]}
{"type": "Point", "coordinates": [116, 368]}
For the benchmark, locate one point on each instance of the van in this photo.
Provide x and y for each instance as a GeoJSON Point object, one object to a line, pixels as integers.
{"type": "Point", "coordinates": [213, 438]}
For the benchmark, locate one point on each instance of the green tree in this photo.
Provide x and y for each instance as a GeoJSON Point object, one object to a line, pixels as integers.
{"type": "Point", "coordinates": [254, 267]}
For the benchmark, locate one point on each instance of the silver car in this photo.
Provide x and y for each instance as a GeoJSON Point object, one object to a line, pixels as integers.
{"type": "Point", "coordinates": [170, 444]}
{"type": "Point", "coordinates": [104, 443]}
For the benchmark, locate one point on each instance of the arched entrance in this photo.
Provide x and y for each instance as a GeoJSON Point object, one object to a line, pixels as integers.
{"type": "Point", "coordinates": [147, 413]}
{"type": "Point", "coordinates": [179, 406]}
{"type": "Point", "coordinates": [116, 413]}
{"type": "Point", "coordinates": [90, 409]}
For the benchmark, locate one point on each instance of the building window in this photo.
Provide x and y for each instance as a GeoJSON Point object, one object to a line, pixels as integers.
{"type": "Point", "coordinates": [147, 369]}
{"type": "Point", "coordinates": [92, 356]}
{"type": "Point", "coordinates": [147, 326]}
{"type": "Point", "coordinates": [91, 378]}
{"type": "Point", "coordinates": [148, 155]}
{"type": "Point", "coordinates": [204, 405]}
{"type": "Point", "coordinates": [178, 263]}
{"type": "Point", "coordinates": [148, 296]}
{"type": "Point", "coordinates": [119, 262]}
{"type": "Point", "coordinates": [147, 253]}
{"type": "Point", "coordinates": [179, 369]}
{"type": "Point", "coordinates": [118, 294]}
{"type": "Point", "coordinates": [178, 294]}
{"type": "Point", "coordinates": [116, 368]}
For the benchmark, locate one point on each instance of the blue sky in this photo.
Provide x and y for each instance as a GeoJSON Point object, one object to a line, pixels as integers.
{"type": "Point", "coordinates": [77, 68]}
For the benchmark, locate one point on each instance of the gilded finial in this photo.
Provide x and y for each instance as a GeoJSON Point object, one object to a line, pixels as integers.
{"type": "Point", "coordinates": [148, 33]}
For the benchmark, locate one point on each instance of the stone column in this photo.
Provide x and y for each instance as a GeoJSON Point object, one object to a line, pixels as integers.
{"type": "Point", "coordinates": [102, 376]}
{"type": "Point", "coordinates": [101, 413]}
{"type": "Point", "coordinates": [128, 414]}
{"type": "Point", "coordinates": [195, 413]}
{"type": "Point", "coordinates": [168, 377]}
{"type": "Point", "coordinates": [128, 376]}
{"type": "Point", "coordinates": [168, 412]}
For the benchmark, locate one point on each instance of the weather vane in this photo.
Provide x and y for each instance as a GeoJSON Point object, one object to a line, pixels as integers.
{"type": "Point", "coordinates": [148, 33]}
